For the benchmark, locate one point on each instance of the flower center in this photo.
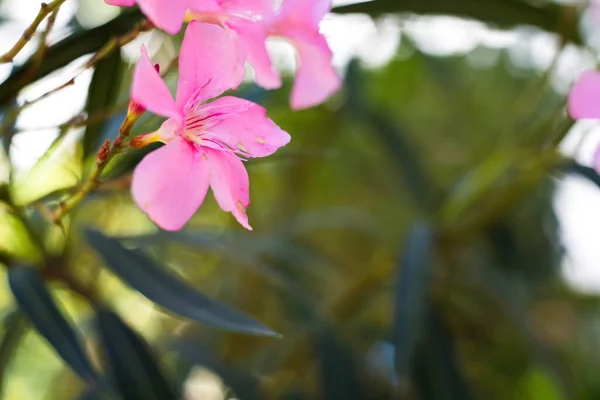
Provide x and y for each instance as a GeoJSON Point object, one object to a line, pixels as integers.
{"type": "Point", "coordinates": [209, 17]}
{"type": "Point", "coordinates": [218, 18]}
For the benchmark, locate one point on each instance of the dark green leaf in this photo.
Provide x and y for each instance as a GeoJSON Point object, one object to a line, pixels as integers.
{"type": "Point", "coordinates": [37, 304]}
{"type": "Point", "coordinates": [130, 361]}
{"type": "Point", "coordinates": [102, 93]}
{"type": "Point", "coordinates": [437, 373]}
{"type": "Point", "coordinates": [339, 372]}
{"type": "Point", "coordinates": [14, 327]}
{"type": "Point", "coordinates": [503, 13]}
{"type": "Point", "coordinates": [588, 173]}
{"type": "Point", "coordinates": [412, 297]}
{"type": "Point", "coordinates": [143, 274]}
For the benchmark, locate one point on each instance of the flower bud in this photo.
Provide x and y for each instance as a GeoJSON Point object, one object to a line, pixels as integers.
{"type": "Point", "coordinates": [103, 151]}
{"type": "Point", "coordinates": [135, 109]}
{"type": "Point", "coordinates": [144, 140]}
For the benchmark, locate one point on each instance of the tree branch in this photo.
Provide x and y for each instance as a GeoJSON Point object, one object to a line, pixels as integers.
{"type": "Point", "coordinates": [45, 9]}
{"type": "Point", "coordinates": [65, 51]}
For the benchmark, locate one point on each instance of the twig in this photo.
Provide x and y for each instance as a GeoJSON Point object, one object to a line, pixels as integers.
{"type": "Point", "coordinates": [11, 116]}
{"type": "Point", "coordinates": [113, 44]}
{"type": "Point", "coordinates": [118, 42]}
{"type": "Point", "coordinates": [105, 155]}
{"type": "Point", "coordinates": [107, 49]}
{"type": "Point", "coordinates": [42, 47]}
{"type": "Point", "coordinates": [45, 9]}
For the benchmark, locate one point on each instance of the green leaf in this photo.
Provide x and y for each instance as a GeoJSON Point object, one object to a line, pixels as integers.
{"type": "Point", "coordinates": [500, 12]}
{"type": "Point", "coordinates": [538, 385]}
{"type": "Point", "coordinates": [103, 91]}
{"type": "Point", "coordinates": [37, 304]}
{"type": "Point", "coordinates": [340, 376]}
{"type": "Point", "coordinates": [14, 327]}
{"type": "Point", "coordinates": [144, 275]}
{"type": "Point", "coordinates": [130, 361]}
{"type": "Point", "coordinates": [412, 297]}
{"type": "Point", "coordinates": [437, 372]}
{"type": "Point", "coordinates": [576, 169]}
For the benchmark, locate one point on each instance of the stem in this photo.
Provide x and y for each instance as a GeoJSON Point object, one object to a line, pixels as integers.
{"type": "Point", "coordinates": [45, 9]}
{"type": "Point", "coordinates": [62, 53]}
{"type": "Point", "coordinates": [113, 44]}
{"type": "Point", "coordinates": [41, 50]}
{"type": "Point", "coordinates": [105, 155]}
{"type": "Point", "coordinates": [119, 41]}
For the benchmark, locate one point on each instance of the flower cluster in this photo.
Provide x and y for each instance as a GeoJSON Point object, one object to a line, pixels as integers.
{"type": "Point", "coordinates": [206, 143]}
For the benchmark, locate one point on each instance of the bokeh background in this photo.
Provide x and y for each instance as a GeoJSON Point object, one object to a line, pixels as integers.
{"type": "Point", "coordinates": [429, 233]}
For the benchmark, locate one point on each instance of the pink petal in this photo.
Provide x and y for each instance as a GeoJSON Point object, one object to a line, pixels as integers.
{"type": "Point", "coordinates": [121, 3]}
{"type": "Point", "coordinates": [204, 6]}
{"type": "Point", "coordinates": [253, 37]}
{"type": "Point", "coordinates": [209, 63]}
{"type": "Point", "coordinates": [167, 15]}
{"type": "Point", "coordinates": [596, 10]}
{"type": "Point", "coordinates": [584, 98]}
{"type": "Point", "coordinates": [244, 125]}
{"type": "Point", "coordinates": [149, 90]}
{"type": "Point", "coordinates": [170, 184]}
{"type": "Point", "coordinates": [261, 8]}
{"type": "Point", "coordinates": [230, 184]}
{"type": "Point", "coordinates": [316, 78]}
{"type": "Point", "coordinates": [302, 14]}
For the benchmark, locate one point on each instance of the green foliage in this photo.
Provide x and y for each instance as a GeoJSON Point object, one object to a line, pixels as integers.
{"type": "Point", "coordinates": [369, 301]}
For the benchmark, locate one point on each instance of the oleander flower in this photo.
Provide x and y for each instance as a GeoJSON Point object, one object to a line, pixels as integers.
{"type": "Point", "coordinates": [206, 143]}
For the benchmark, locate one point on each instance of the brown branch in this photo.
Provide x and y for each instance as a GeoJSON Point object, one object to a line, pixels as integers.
{"type": "Point", "coordinates": [105, 155]}
{"type": "Point", "coordinates": [42, 47]}
{"type": "Point", "coordinates": [112, 45]}
{"type": "Point", "coordinates": [45, 10]}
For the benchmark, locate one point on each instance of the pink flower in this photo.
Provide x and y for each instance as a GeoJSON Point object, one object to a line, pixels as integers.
{"type": "Point", "coordinates": [316, 79]}
{"type": "Point", "coordinates": [584, 102]}
{"type": "Point", "coordinates": [253, 21]}
{"type": "Point", "coordinates": [584, 97]}
{"type": "Point", "coordinates": [204, 142]}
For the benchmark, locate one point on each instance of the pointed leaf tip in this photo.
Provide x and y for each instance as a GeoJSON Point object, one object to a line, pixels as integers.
{"type": "Point", "coordinates": [151, 280]}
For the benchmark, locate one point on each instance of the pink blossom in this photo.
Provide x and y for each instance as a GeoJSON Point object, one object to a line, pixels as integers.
{"type": "Point", "coordinates": [254, 21]}
{"type": "Point", "coordinates": [584, 102]}
{"type": "Point", "coordinates": [205, 143]}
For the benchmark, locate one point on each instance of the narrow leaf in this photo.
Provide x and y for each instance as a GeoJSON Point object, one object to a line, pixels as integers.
{"type": "Point", "coordinates": [576, 169]}
{"type": "Point", "coordinates": [502, 13]}
{"type": "Point", "coordinates": [102, 93]}
{"type": "Point", "coordinates": [340, 376]}
{"type": "Point", "coordinates": [437, 372]}
{"type": "Point", "coordinates": [37, 304]}
{"type": "Point", "coordinates": [130, 360]}
{"type": "Point", "coordinates": [143, 274]}
{"type": "Point", "coordinates": [412, 297]}
{"type": "Point", "coordinates": [14, 327]}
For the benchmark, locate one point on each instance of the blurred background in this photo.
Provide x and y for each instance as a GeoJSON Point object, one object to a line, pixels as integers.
{"type": "Point", "coordinates": [429, 233]}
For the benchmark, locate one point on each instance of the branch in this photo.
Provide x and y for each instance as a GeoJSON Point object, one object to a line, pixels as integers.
{"type": "Point", "coordinates": [45, 9]}
{"type": "Point", "coordinates": [65, 51]}
{"type": "Point", "coordinates": [105, 155]}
